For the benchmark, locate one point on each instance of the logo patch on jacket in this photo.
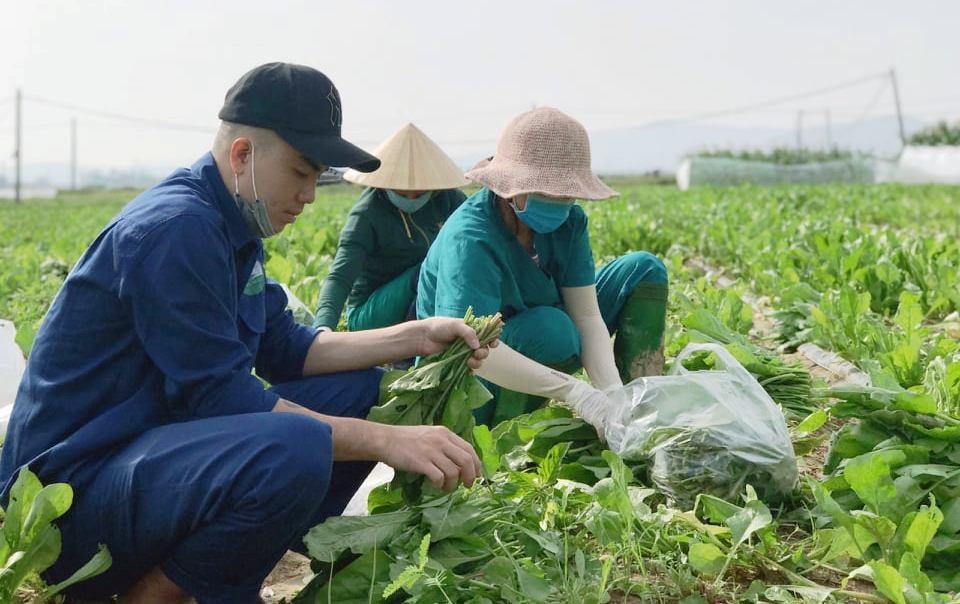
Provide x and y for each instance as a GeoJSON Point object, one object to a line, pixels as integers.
{"type": "Point", "coordinates": [256, 282]}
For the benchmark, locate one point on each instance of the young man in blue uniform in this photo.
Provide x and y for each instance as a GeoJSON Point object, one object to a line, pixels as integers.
{"type": "Point", "coordinates": [139, 392]}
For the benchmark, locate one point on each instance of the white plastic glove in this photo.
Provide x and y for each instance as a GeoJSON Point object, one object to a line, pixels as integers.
{"type": "Point", "coordinates": [590, 404]}
{"type": "Point", "coordinates": [508, 368]}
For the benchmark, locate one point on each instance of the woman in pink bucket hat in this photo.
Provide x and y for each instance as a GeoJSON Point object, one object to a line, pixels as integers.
{"type": "Point", "coordinates": [520, 246]}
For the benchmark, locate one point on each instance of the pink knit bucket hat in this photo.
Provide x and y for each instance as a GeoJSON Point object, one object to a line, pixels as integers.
{"type": "Point", "coordinates": [542, 151]}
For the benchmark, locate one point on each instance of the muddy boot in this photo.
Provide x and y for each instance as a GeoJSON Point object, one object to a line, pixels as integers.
{"type": "Point", "coordinates": [638, 348]}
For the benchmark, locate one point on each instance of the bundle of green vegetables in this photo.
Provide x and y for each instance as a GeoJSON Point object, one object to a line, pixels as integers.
{"type": "Point", "coordinates": [440, 390]}
{"type": "Point", "coordinates": [788, 384]}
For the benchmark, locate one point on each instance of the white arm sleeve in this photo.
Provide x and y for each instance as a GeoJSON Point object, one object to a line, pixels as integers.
{"type": "Point", "coordinates": [509, 369]}
{"type": "Point", "coordinates": [596, 349]}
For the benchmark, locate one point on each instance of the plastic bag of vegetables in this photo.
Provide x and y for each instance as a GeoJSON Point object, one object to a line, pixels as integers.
{"type": "Point", "coordinates": [704, 431]}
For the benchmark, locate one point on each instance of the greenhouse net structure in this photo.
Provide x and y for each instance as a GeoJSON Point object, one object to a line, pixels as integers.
{"type": "Point", "coordinates": [723, 171]}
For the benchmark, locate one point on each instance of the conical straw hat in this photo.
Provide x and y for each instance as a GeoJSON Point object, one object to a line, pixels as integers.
{"type": "Point", "coordinates": [410, 161]}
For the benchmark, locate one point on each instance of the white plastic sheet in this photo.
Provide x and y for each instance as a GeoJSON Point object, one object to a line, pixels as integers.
{"type": "Point", "coordinates": [12, 365]}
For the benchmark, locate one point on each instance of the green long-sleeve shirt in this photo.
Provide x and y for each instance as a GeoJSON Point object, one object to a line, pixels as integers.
{"type": "Point", "coordinates": [377, 243]}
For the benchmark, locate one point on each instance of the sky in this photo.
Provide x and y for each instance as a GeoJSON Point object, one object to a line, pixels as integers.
{"type": "Point", "coordinates": [459, 70]}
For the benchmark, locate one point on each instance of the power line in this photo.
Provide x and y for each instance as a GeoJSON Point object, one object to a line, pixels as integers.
{"type": "Point", "coordinates": [122, 117]}
{"type": "Point", "coordinates": [770, 102]}
{"type": "Point", "coordinates": [870, 106]}
{"type": "Point", "coordinates": [788, 98]}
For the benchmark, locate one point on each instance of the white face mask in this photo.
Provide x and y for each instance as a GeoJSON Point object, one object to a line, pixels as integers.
{"type": "Point", "coordinates": [254, 214]}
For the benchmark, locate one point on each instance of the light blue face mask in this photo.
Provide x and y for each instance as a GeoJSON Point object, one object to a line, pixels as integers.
{"type": "Point", "coordinates": [543, 216]}
{"type": "Point", "coordinates": [410, 206]}
{"type": "Point", "coordinates": [255, 213]}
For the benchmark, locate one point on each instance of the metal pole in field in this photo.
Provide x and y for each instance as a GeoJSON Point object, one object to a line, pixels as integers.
{"type": "Point", "coordinates": [73, 154]}
{"type": "Point", "coordinates": [826, 115]}
{"type": "Point", "coordinates": [800, 129]}
{"type": "Point", "coordinates": [18, 150]}
{"type": "Point", "coordinates": [896, 99]}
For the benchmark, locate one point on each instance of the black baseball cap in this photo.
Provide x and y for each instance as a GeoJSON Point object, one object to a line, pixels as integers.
{"type": "Point", "coordinates": [302, 106]}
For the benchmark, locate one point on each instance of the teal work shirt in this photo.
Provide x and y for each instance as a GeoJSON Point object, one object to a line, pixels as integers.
{"type": "Point", "coordinates": [477, 261]}
{"type": "Point", "coordinates": [377, 243]}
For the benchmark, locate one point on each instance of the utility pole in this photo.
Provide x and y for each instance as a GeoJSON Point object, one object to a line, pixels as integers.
{"type": "Point", "coordinates": [896, 99]}
{"type": "Point", "coordinates": [73, 154]}
{"type": "Point", "coordinates": [826, 116]}
{"type": "Point", "coordinates": [800, 129]}
{"type": "Point", "coordinates": [18, 149]}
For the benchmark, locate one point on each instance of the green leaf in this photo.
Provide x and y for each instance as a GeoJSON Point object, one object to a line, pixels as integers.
{"type": "Point", "coordinates": [279, 268]}
{"type": "Point", "coordinates": [869, 476]}
{"type": "Point", "coordinates": [49, 504]}
{"type": "Point", "coordinates": [22, 494]}
{"type": "Point", "coordinates": [489, 457]}
{"type": "Point", "coordinates": [499, 571]}
{"type": "Point", "coordinates": [922, 529]}
{"type": "Point", "coordinates": [26, 334]}
{"type": "Point", "coordinates": [402, 410]}
{"type": "Point", "coordinates": [811, 594]}
{"type": "Point", "coordinates": [752, 518]}
{"type": "Point", "coordinates": [605, 525]}
{"type": "Point", "coordinates": [477, 393]}
{"type": "Point", "coordinates": [384, 499]}
{"type": "Point", "coordinates": [714, 509]}
{"type": "Point", "coordinates": [909, 314]}
{"type": "Point", "coordinates": [812, 422]}
{"type": "Point", "coordinates": [409, 576]}
{"type": "Point", "coordinates": [888, 581]}
{"type": "Point", "coordinates": [534, 587]}
{"type": "Point", "coordinates": [39, 555]}
{"type": "Point", "coordinates": [917, 581]}
{"type": "Point", "coordinates": [360, 582]}
{"type": "Point", "coordinates": [548, 541]}
{"type": "Point", "coordinates": [360, 534]}
{"type": "Point", "coordinates": [550, 465]}
{"type": "Point", "coordinates": [951, 517]}
{"type": "Point", "coordinates": [97, 565]}
{"type": "Point", "coordinates": [706, 558]}
{"type": "Point", "coordinates": [456, 414]}
{"type": "Point", "coordinates": [455, 551]}
{"type": "Point", "coordinates": [454, 519]}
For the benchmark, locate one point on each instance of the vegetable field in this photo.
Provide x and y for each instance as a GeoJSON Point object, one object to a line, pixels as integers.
{"type": "Point", "coordinates": [871, 273]}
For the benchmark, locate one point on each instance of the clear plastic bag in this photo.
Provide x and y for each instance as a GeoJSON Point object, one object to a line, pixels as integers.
{"type": "Point", "coordinates": [704, 431]}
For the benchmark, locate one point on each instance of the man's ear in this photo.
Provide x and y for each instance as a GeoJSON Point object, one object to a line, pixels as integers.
{"type": "Point", "coordinates": [240, 150]}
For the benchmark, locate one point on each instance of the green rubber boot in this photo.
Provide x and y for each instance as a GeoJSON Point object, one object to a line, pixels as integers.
{"type": "Point", "coordinates": [638, 347]}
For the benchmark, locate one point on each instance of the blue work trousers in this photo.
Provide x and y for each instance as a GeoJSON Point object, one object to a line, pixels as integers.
{"type": "Point", "coordinates": [215, 502]}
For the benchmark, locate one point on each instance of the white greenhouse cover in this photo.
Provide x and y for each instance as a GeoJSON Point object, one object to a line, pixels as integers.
{"type": "Point", "coordinates": [939, 164]}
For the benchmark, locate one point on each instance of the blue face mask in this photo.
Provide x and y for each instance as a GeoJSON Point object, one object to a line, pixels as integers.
{"type": "Point", "coordinates": [406, 204]}
{"type": "Point", "coordinates": [543, 216]}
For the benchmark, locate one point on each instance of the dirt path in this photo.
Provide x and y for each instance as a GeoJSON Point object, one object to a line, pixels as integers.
{"type": "Point", "coordinates": [291, 573]}
{"type": "Point", "coordinates": [286, 579]}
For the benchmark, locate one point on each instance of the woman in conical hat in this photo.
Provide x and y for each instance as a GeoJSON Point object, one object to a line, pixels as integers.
{"type": "Point", "coordinates": [520, 246]}
{"type": "Point", "coordinates": [388, 232]}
